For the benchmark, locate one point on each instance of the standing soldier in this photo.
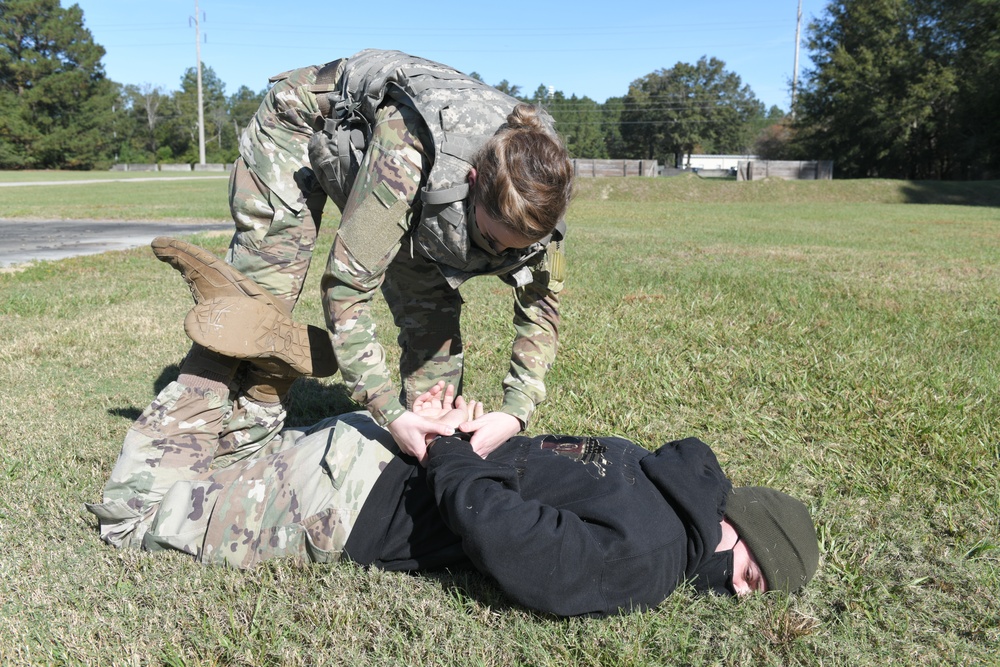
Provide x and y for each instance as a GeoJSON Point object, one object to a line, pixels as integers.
{"type": "Point", "coordinates": [438, 178]}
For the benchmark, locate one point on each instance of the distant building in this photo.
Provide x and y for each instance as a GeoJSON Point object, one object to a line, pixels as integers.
{"type": "Point", "coordinates": [750, 168]}
{"type": "Point", "coordinates": [712, 162]}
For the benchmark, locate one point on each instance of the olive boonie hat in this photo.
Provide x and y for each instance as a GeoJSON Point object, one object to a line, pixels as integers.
{"type": "Point", "coordinates": [779, 532]}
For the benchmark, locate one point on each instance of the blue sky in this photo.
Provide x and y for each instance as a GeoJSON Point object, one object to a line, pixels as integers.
{"type": "Point", "coordinates": [587, 48]}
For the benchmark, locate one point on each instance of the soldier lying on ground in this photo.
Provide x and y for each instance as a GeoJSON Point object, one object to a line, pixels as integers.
{"type": "Point", "coordinates": [564, 524]}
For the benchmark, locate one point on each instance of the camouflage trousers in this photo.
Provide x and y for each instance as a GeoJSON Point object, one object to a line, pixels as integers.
{"type": "Point", "coordinates": [223, 482]}
{"type": "Point", "coordinates": [428, 312]}
{"type": "Point", "coordinates": [274, 196]}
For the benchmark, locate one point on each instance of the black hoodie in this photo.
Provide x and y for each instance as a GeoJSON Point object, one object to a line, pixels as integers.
{"type": "Point", "coordinates": [566, 525]}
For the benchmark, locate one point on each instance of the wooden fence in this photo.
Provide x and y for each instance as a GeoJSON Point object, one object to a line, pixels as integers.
{"type": "Point", "coordinates": [789, 170]}
{"type": "Point", "coordinates": [586, 167]}
{"type": "Point", "coordinates": [170, 166]}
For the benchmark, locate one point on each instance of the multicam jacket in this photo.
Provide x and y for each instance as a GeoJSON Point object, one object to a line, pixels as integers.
{"type": "Point", "coordinates": [398, 141]}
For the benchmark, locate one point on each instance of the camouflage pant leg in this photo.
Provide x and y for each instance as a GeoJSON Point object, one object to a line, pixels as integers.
{"type": "Point", "coordinates": [300, 502]}
{"type": "Point", "coordinates": [428, 313]}
{"type": "Point", "coordinates": [274, 197]}
{"type": "Point", "coordinates": [251, 430]}
{"type": "Point", "coordinates": [183, 434]}
{"type": "Point", "coordinates": [174, 438]}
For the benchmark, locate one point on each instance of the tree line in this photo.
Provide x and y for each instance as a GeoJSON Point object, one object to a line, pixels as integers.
{"type": "Point", "coordinates": [899, 89]}
{"type": "Point", "coordinates": [903, 89]}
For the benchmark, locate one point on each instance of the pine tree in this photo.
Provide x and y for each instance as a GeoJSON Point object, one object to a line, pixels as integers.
{"type": "Point", "coordinates": [55, 101]}
{"type": "Point", "coordinates": [904, 89]}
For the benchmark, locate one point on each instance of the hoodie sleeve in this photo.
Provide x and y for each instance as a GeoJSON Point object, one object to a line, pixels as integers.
{"type": "Point", "coordinates": [544, 558]}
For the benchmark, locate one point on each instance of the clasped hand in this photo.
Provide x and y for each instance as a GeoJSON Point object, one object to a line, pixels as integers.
{"type": "Point", "coordinates": [439, 412]}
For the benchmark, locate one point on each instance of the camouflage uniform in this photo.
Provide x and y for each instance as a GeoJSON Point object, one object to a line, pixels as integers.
{"type": "Point", "coordinates": [221, 481]}
{"type": "Point", "coordinates": [274, 197]}
{"type": "Point", "coordinates": [276, 203]}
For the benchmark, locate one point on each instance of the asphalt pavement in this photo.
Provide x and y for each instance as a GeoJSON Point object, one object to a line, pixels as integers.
{"type": "Point", "coordinates": [24, 241]}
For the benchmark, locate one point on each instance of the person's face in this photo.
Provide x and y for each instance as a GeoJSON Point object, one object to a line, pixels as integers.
{"type": "Point", "coordinates": [747, 576]}
{"type": "Point", "coordinates": [492, 235]}
{"type": "Point", "coordinates": [486, 231]}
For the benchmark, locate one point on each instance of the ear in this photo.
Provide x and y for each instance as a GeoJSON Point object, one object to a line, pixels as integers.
{"type": "Point", "coordinates": [472, 176]}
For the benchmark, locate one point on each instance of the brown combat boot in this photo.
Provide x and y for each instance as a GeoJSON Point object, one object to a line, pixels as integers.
{"type": "Point", "coordinates": [263, 387]}
{"type": "Point", "coordinates": [245, 328]}
{"type": "Point", "coordinates": [208, 276]}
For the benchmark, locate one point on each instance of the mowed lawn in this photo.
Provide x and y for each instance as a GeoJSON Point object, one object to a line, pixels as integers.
{"type": "Point", "coordinates": [837, 340]}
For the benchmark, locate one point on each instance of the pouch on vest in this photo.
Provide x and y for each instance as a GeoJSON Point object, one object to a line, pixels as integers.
{"type": "Point", "coordinates": [336, 169]}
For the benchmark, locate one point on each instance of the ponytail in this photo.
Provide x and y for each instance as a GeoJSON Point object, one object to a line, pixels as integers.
{"type": "Point", "coordinates": [525, 177]}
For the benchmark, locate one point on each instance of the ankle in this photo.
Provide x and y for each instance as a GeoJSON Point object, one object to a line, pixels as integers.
{"type": "Point", "coordinates": [202, 366]}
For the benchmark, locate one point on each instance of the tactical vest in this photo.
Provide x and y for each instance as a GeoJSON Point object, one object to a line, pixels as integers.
{"type": "Point", "coordinates": [461, 114]}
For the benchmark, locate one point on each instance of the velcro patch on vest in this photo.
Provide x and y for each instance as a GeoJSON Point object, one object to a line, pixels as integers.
{"type": "Point", "coordinates": [375, 227]}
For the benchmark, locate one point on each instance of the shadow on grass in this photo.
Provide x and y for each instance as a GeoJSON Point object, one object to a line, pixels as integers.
{"type": "Point", "coordinates": [962, 193]}
{"type": "Point", "coordinates": [470, 585]}
{"type": "Point", "coordinates": [311, 400]}
{"type": "Point", "coordinates": [308, 402]}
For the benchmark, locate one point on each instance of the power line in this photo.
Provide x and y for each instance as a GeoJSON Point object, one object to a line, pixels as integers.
{"type": "Point", "coordinates": [533, 33]}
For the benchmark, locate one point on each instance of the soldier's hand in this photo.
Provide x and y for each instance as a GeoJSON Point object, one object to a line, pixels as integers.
{"type": "Point", "coordinates": [412, 433]}
{"type": "Point", "coordinates": [491, 430]}
{"type": "Point", "coordinates": [436, 401]}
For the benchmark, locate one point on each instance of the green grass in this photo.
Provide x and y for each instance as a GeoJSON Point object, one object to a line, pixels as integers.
{"type": "Point", "coordinates": [37, 176]}
{"type": "Point", "coordinates": [833, 341]}
{"type": "Point", "coordinates": [170, 196]}
{"type": "Point", "coordinates": [692, 189]}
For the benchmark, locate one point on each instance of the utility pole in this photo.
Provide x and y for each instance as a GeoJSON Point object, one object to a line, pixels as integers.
{"type": "Point", "coordinates": [201, 106]}
{"type": "Point", "coordinates": [795, 70]}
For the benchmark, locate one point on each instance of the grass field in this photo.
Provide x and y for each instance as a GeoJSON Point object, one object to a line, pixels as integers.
{"type": "Point", "coordinates": [836, 340]}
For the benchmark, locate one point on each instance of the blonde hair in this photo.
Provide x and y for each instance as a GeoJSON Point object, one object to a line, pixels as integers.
{"type": "Point", "coordinates": [524, 175]}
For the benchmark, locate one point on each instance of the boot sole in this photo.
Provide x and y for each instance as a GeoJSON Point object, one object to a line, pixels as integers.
{"type": "Point", "coordinates": [244, 328]}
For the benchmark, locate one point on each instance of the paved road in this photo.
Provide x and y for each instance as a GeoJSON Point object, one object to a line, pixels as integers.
{"type": "Point", "coordinates": [22, 242]}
